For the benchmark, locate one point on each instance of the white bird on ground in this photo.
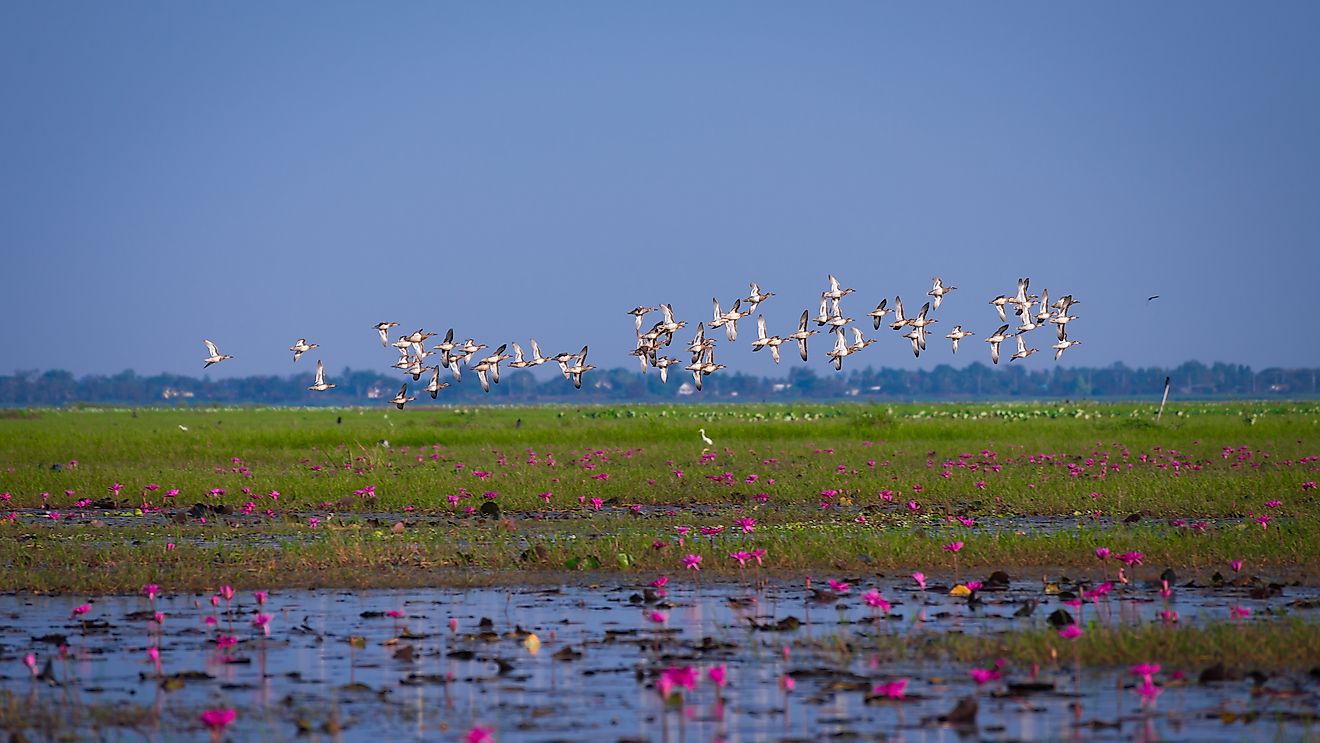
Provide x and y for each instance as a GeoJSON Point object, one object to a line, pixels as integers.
{"type": "Point", "coordinates": [320, 385]}
{"type": "Point", "coordinates": [301, 347]}
{"type": "Point", "coordinates": [215, 357]}
{"type": "Point", "coordinates": [704, 438]}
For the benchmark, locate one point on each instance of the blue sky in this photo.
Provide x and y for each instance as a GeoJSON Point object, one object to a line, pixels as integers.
{"type": "Point", "coordinates": [256, 172]}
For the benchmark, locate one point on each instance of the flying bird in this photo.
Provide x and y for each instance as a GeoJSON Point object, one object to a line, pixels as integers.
{"type": "Point", "coordinates": [383, 328]}
{"type": "Point", "coordinates": [215, 357]}
{"type": "Point", "coordinates": [320, 385]}
{"type": "Point", "coordinates": [301, 347]}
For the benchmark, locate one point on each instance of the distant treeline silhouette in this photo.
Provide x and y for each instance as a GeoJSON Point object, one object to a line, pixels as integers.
{"type": "Point", "coordinates": [975, 381]}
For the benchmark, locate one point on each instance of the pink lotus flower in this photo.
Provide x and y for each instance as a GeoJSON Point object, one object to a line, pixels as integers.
{"type": "Point", "coordinates": [660, 582]}
{"type": "Point", "coordinates": [218, 719]}
{"type": "Point", "coordinates": [1239, 612]}
{"type": "Point", "coordinates": [227, 593]}
{"type": "Point", "coordinates": [1102, 553]}
{"type": "Point", "coordinates": [79, 611]}
{"type": "Point", "coordinates": [920, 578]}
{"type": "Point", "coordinates": [1130, 558]}
{"type": "Point", "coordinates": [1071, 632]}
{"type": "Point", "coordinates": [673, 677]}
{"type": "Point", "coordinates": [718, 675]}
{"type": "Point", "coordinates": [657, 617]}
{"type": "Point", "coordinates": [1144, 669]}
{"type": "Point", "coordinates": [151, 590]}
{"type": "Point", "coordinates": [953, 547]}
{"type": "Point", "coordinates": [838, 586]}
{"type": "Point", "coordinates": [692, 562]}
{"type": "Point", "coordinates": [891, 690]}
{"type": "Point", "coordinates": [1236, 565]}
{"type": "Point", "coordinates": [984, 675]}
{"type": "Point", "coordinates": [479, 734]}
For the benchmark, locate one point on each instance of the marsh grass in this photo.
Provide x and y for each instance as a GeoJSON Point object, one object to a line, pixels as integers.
{"type": "Point", "coordinates": [1282, 645]}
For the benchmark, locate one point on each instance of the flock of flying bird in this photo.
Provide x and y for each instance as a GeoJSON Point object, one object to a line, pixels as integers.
{"type": "Point", "coordinates": [702, 349]}
{"type": "Point", "coordinates": [454, 355]}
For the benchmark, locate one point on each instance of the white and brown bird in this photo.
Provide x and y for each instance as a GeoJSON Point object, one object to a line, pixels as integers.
{"type": "Point", "coordinates": [320, 385]}
{"type": "Point", "coordinates": [840, 349]}
{"type": "Point", "coordinates": [900, 321]}
{"type": "Point", "coordinates": [384, 328]}
{"type": "Point", "coordinates": [728, 320]}
{"type": "Point", "coordinates": [958, 334]}
{"type": "Point", "coordinates": [638, 312]}
{"type": "Point", "coordinates": [579, 367]}
{"type": "Point", "coordinates": [663, 363]}
{"type": "Point", "coordinates": [1022, 351]}
{"type": "Point", "coordinates": [877, 315]}
{"type": "Point", "coordinates": [301, 347]}
{"type": "Point", "coordinates": [402, 398]}
{"type": "Point", "coordinates": [938, 291]}
{"type": "Point", "coordinates": [1063, 345]}
{"type": "Point", "coordinates": [999, 303]}
{"type": "Point", "coordinates": [773, 342]}
{"type": "Point", "coordinates": [859, 342]}
{"type": "Point", "coordinates": [436, 385]}
{"type": "Point", "coordinates": [215, 356]}
{"type": "Point", "coordinates": [756, 297]}
{"type": "Point", "coordinates": [999, 336]}
{"type": "Point", "coordinates": [802, 334]}
{"type": "Point", "coordinates": [835, 292]}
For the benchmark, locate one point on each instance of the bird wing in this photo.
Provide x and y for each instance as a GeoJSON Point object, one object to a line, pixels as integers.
{"type": "Point", "coordinates": [211, 347]}
{"type": "Point", "coordinates": [760, 326]}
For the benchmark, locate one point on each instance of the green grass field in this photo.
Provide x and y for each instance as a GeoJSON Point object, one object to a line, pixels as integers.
{"type": "Point", "coordinates": [865, 487]}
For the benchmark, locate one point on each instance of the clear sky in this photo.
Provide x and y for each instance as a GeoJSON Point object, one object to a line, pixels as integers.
{"type": "Point", "coordinates": [256, 172]}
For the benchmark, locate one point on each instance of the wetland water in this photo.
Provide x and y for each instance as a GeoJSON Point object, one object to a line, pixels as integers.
{"type": "Point", "coordinates": [337, 666]}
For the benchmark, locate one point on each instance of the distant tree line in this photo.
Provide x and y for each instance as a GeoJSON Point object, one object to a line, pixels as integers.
{"type": "Point", "coordinates": [975, 381]}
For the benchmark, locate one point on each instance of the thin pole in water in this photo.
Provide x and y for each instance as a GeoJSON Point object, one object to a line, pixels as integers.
{"type": "Point", "coordinates": [1163, 400]}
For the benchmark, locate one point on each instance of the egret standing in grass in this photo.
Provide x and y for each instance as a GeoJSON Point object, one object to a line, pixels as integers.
{"type": "Point", "coordinates": [705, 439]}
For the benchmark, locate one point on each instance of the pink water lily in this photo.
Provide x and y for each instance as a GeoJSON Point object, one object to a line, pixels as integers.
{"type": "Point", "coordinates": [692, 562]}
{"type": "Point", "coordinates": [920, 578]}
{"type": "Point", "coordinates": [1071, 632]}
{"type": "Point", "coordinates": [891, 690]}
{"type": "Point", "coordinates": [218, 719]}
